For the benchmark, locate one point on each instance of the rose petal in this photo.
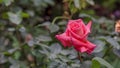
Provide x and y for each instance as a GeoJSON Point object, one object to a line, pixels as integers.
{"type": "Point", "coordinates": [89, 51]}
{"type": "Point", "coordinates": [88, 26]}
{"type": "Point", "coordinates": [79, 44]}
{"type": "Point", "coordinates": [77, 32]}
{"type": "Point", "coordinates": [64, 39]}
{"type": "Point", "coordinates": [82, 49]}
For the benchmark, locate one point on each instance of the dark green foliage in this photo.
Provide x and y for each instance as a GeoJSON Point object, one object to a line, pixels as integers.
{"type": "Point", "coordinates": [28, 29]}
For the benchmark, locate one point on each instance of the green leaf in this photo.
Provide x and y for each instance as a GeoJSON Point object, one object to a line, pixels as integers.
{"type": "Point", "coordinates": [5, 15]}
{"type": "Point", "coordinates": [62, 23]}
{"type": "Point", "coordinates": [91, 2]}
{"type": "Point", "coordinates": [53, 28]}
{"type": "Point", "coordinates": [95, 64]}
{"type": "Point", "coordinates": [73, 9]}
{"type": "Point", "coordinates": [102, 62]}
{"type": "Point", "coordinates": [15, 66]}
{"type": "Point", "coordinates": [116, 63]}
{"type": "Point", "coordinates": [6, 53]}
{"type": "Point", "coordinates": [7, 2]}
{"type": "Point", "coordinates": [77, 3]}
{"type": "Point", "coordinates": [25, 15]}
{"type": "Point", "coordinates": [83, 3]}
{"type": "Point", "coordinates": [116, 52]}
{"type": "Point", "coordinates": [55, 48]}
{"type": "Point", "coordinates": [88, 16]}
{"type": "Point", "coordinates": [86, 64]}
{"type": "Point", "coordinates": [99, 46]}
{"type": "Point", "coordinates": [51, 2]}
{"type": "Point", "coordinates": [1, 1]}
{"type": "Point", "coordinates": [15, 42]}
{"type": "Point", "coordinates": [111, 41]}
{"type": "Point", "coordinates": [3, 59]}
{"type": "Point", "coordinates": [15, 17]}
{"type": "Point", "coordinates": [37, 2]}
{"type": "Point", "coordinates": [17, 55]}
{"type": "Point", "coordinates": [44, 38]}
{"type": "Point", "coordinates": [63, 58]}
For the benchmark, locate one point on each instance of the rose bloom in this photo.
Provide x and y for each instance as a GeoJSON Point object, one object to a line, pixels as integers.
{"type": "Point", "coordinates": [76, 35]}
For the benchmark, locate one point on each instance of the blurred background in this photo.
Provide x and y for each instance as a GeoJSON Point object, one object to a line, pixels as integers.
{"type": "Point", "coordinates": [27, 38]}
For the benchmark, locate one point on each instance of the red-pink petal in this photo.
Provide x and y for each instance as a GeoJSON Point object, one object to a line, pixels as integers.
{"type": "Point", "coordinates": [83, 29]}
{"type": "Point", "coordinates": [82, 49]}
{"type": "Point", "coordinates": [89, 51]}
{"type": "Point", "coordinates": [88, 26]}
{"type": "Point", "coordinates": [64, 39]}
{"type": "Point", "coordinates": [83, 45]}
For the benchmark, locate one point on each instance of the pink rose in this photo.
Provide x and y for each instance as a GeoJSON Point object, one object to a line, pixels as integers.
{"type": "Point", "coordinates": [76, 35]}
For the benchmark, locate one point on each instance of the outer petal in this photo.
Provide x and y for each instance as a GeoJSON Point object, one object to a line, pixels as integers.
{"type": "Point", "coordinates": [88, 26]}
{"type": "Point", "coordinates": [80, 43]}
{"type": "Point", "coordinates": [83, 45]}
{"type": "Point", "coordinates": [64, 39]}
{"type": "Point", "coordinates": [89, 51]}
{"type": "Point", "coordinates": [82, 49]}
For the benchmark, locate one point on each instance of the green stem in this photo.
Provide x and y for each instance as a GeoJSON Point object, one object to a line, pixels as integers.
{"type": "Point", "coordinates": [80, 57]}
{"type": "Point", "coordinates": [59, 17]}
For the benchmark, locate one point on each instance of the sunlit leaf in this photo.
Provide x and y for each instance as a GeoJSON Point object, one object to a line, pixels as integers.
{"type": "Point", "coordinates": [95, 64]}
{"type": "Point", "coordinates": [17, 55]}
{"type": "Point", "coordinates": [1, 1]}
{"type": "Point", "coordinates": [77, 3]}
{"type": "Point", "coordinates": [25, 15]}
{"type": "Point", "coordinates": [91, 2]}
{"type": "Point", "coordinates": [102, 62]}
{"type": "Point", "coordinates": [15, 17]}
{"type": "Point", "coordinates": [83, 3]}
{"type": "Point", "coordinates": [15, 42]}
{"type": "Point", "coordinates": [8, 2]}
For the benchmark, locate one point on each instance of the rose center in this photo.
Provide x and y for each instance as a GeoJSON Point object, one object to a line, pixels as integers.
{"type": "Point", "coordinates": [76, 28]}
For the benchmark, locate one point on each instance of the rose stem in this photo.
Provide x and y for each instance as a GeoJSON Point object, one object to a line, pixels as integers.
{"type": "Point", "coordinates": [80, 57]}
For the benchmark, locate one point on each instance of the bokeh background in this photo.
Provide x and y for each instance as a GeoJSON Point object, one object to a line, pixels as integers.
{"type": "Point", "coordinates": [27, 37]}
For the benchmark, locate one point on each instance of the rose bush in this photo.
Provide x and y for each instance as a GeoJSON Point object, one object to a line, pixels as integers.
{"type": "Point", "coordinates": [28, 28]}
{"type": "Point", "coordinates": [76, 35]}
